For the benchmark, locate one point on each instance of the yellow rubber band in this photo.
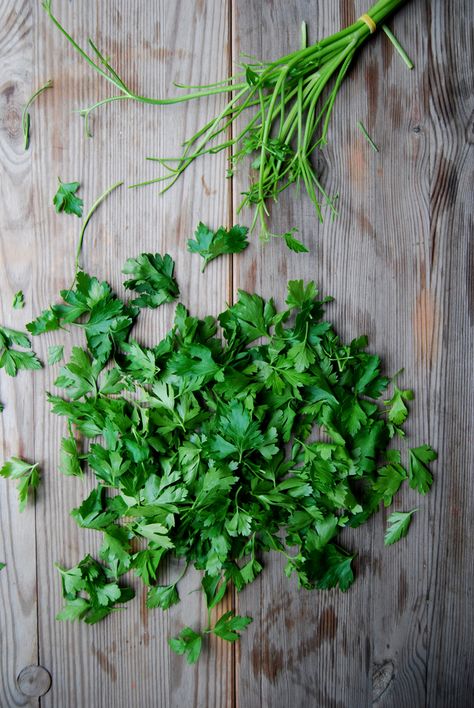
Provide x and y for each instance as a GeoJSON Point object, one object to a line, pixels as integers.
{"type": "Point", "coordinates": [369, 22]}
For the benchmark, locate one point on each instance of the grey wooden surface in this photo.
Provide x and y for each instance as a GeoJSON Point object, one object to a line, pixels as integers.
{"type": "Point", "coordinates": [398, 259]}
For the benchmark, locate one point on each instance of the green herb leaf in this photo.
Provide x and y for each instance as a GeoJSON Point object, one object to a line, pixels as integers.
{"type": "Point", "coordinates": [294, 244]}
{"type": "Point", "coordinates": [399, 522]}
{"type": "Point", "coordinates": [418, 473]}
{"type": "Point", "coordinates": [66, 200]}
{"type": "Point", "coordinates": [211, 244]}
{"type": "Point", "coordinates": [27, 475]}
{"type": "Point", "coordinates": [228, 626]}
{"type": "Point", "coordinates": [55, 353]}
{"type": "Point", "coordinates": [18, 300]}
{"type": "Point", "coordinates": [152, 277]}
{"type": "Point", "coordinates": [163, 596]}
{"type": "Point", "coordinates": [189, 643]}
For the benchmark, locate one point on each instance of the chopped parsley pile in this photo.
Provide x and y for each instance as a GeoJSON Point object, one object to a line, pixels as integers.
{"type": "Point", "coordinates": [215, 451]}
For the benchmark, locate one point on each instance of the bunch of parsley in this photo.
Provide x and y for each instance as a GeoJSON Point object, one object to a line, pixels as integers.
{"type": "Point", "coordinates": [218, 450]}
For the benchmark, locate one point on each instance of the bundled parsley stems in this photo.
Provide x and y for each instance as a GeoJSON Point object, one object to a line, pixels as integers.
{"type": "Point", "coordinates": [208, 448]}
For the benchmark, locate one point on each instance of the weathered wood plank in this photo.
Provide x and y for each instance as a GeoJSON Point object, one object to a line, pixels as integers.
{"type": "Point", "coordinates": [377, 259]}
{"type": "Point", "coordinates": [18, 600]}
{"type": "Point", "coordinates": [449, 325]}
{"type": "Point", "coordinates": [124, 661]}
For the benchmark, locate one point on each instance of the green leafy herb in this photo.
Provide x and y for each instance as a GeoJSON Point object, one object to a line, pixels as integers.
{"type": "Point", "coordinates": [2, 565]}
{"type": "Point", "coordinates": [419, 475]}
{"type": "Point", "coordinates": [27, 475]}
{"type": "Point", "coordinates": [18, 300]}
{"type": "Point", "coordinates": [399, 522]}
{"type": "Point", "coordinates": [152, 277]}
{"type": "Point", "coordinates": [288, 103]}
{"type": "Point", "coordinates": [55, 353]}
{"type": "Point", "coordinates": [13, 360]}
{"type": "Point", "coordinates": [215, 450]}
{"type": "Point", "coordinates": [294, 244]}
{"type": "Point", "coordinates": [211, 244]}
{"type": "Point", "coordinates": [189, 643]}
{"type": "Point", "coordinates": [91, 592]}
{"type": "Point", "coordinates": [108, 320]}
{"type": "Point", "coordinates": [25, 116]}
{"type": "Point", "coordinates": [66, 199]}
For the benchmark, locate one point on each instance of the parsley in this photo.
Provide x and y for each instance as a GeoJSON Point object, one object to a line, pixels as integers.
{"type": "Point", "coordinates": [216, 450]}
{"type": "Point", "coordinates": [2, 565]}
{"type": "Point", "coordinates": [399, 522]}
{"type": "Point", "coordinates": [18, 300]}
{"type": "Point", "coordinates": [55, 353]}
{"type": "Point", "coordinates": [91, 592]}
{"type": "Point", "coordinates": [211, 244]}
{"type": "Point", "coordinates": [152, 277]}
{"type": "Point", "coordinates": [66, 200]}
{"type": "Point", "coordinates": [25, 116]}
{"type": "Point", "coordinates": [294, 244]}
{"type": "Point", "coordinates": [418, 472]}
{"type": "Point", "coordinates": [13, 360]}
{"type": "Point", "coordinates": [27, 475]}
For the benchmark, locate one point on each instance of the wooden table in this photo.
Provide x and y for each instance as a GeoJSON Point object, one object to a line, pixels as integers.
{"type": "Point", "coordinates": [398, 259]}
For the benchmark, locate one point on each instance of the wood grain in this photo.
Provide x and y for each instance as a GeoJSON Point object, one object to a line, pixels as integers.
{"type": "Point", "coordinates": [399, 260]}
{"type": "Point", "coordinates": [18, 587]}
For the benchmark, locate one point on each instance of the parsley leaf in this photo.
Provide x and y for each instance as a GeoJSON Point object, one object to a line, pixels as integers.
{"type": "Point", "coordinates": [211, 244]}
{"type": "Point", "coordinates": [418, 473]}
{"type": "Point", "coordinates": [399, 522]}
{"type": "Point", "coordinates": [55, 353]}
{"type": "Point", "coordinates": [66, 200]}
{"type": "Point", "coordinates": [18, 300]}
{"type": "Point", "coordinates": [189, 643]}
{"type": "Point", "coordinates": [294, 244]}
{"type": "Point", "coordinates": [27, 475]}
{"type": "Point", "coordinates": [13, 360]}
{"type": "Point", "coordinates": [152, 277]}
{"type": "Point", "coordinates": [163, 596]}
{"type": "Point", "coordinates": [227, 627]}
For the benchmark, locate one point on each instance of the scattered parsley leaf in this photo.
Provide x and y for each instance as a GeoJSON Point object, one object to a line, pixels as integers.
{"type": "Point", "coordinates": [2, 565]}
{"type": "Point", "coordinates": [398, 410]}
{"type": "Point", "coordinates": [18, 300]}
{"type": "Point", "coordinates": [163, 596]}
{"type": "Point", "coordinates": [55, 353]}
{"type": "Point", "coordinates": [418, 473]}
{"type": "Point", "coordinates": [227, 627]}
{"type": "Point", "coordinates": [294, 244]}
{"type": "Point", "coordinates": [189, 643]}
{"type": "Point", "coordinates": [27, 475]}
{"type": "Point", "coordinates": [152, 277]}
{"type": "Point", "coordinates": [211, 244]}
{"type": "Point", "coordinates": [13, 360]}
{"type": "Point", "coordinates": [399, 522]}
{"type": "Point", "coordinates": [66, 200]}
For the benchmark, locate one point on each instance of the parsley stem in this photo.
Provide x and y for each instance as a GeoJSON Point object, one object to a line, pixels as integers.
{"type": "Point", "coordinates": [398, 47]}
{"type": "Point", "coordinates": [25, 116]}
{"type": "Point", "coordinates": [97, 202]}
{"type": "Point", "coordinates": [361, 127]}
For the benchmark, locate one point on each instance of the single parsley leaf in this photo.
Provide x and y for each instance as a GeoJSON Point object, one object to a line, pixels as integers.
{"type": "Point", "coordinates": [13, 360]}
{"type": "Point", "coordinates": [163, 596]}
{"type": "Point", "coordinates": [419, 475]}
{"type": "Point", "coordinates": [211, 244]}
{"type": "Point", "coordinates": [2, 565]}
{"type": "Point", "coordinates": [398, 410]}
{"type": "Point", "coordinates": [152, 277]}
{"type": "Point", "coordinates": [18, 300]}
{"type": "Point", "coordinates": [399, 522]}
{"type": "Point", "coordinates": [27, 475]}
{"type": "Point", "coordinates": [188, 642]}
{"type": "Point", "coordinates": [338, 569]}
{"type": "Point", "coordinates": [55, 353]}
{"type": "Point", "coordinates": [227, 627]}
{"type": "Point", "coordinates": [66, 200]}
{"type": "Point", "coordinates": [294, 244]}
